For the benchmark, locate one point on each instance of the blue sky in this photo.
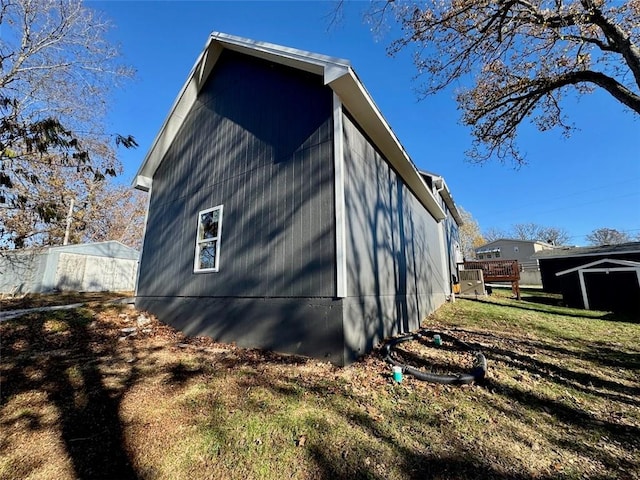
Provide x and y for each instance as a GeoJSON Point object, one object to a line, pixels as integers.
{"type": "Point", "coordinates": [588, 181]}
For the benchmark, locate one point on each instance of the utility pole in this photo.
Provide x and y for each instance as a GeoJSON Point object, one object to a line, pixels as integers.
{"type": "Point", "coordinates": [68, 228]}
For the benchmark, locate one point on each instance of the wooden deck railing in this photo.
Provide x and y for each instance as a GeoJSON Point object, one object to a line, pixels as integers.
{"type": "Point", "coordinates": [496, 271]}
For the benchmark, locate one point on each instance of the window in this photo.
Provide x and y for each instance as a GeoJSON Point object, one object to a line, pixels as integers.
{"type": "Point", "coordinates": [208, 240]}
{"type": "Point", "coordinates": [498, 254]}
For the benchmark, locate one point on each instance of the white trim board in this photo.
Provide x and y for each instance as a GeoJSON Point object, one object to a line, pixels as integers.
{"type": "Point", "coordinates": [340, 209]}
{"type": "Point", "coordinates": [622, 263]}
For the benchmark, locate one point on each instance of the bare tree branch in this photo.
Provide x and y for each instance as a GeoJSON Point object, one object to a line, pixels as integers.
{"type": "Point", "coordinates": [520, 57]}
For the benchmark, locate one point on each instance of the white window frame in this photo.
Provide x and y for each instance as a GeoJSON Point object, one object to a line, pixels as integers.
{"type": "Point", "coordinates": [201, 241]}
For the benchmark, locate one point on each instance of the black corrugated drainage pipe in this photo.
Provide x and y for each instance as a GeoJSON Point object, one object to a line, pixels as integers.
{"type": "Point", "coordinates": [476, 374]}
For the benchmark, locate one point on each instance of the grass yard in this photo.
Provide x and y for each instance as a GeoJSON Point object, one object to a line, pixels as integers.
{"type": "Point", "coordinates": [83, 395]}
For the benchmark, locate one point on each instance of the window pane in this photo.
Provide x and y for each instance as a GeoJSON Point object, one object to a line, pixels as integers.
{"type": "Point", "coordinates": [208, 255]}
{"type": "Point", "coordinates": [209, 224]}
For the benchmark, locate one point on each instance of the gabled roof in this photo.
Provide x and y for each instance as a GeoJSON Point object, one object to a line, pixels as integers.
{"type": "Point", "coordinates": [619, 265]}
{"type": "Point", "coordinates": [621, 248]}
{"type": "Point", "coordinates": [337, 74]}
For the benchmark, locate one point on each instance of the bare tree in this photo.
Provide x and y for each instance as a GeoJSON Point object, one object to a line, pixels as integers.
{"type": "Point", "coordinates": [117, 214]}
{"type": "Point", "coordinates": [492, 234]}
{"type": "Point", "coordinates": [521, 58]}
{"type": "Point", "coordinates": [100, 209]}
{"type": "Point", "coordinates": [56, 74]}
{"type": "Point", "coordinates": [535, 232]}
{"type": "Point", "coordinates": [607, 236]}
{"type": "Point", "coordinates": [529, 231]}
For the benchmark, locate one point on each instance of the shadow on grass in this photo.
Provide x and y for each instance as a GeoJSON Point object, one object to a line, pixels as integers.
{"type": "Point", "coordinates": [574, 418]}
{"type": "Point", "coordinates": [598, 353]}
{"type": "Point", "coordinates": [359, 460]}
{"type": "Point", "coordinates": [415, 466]}
{"type": "Point", "coordinates": [88, 409]}
{"type": "Point", "coordinates": [523, 305]}
{"type": "Point", "coordinates": [585, 382]}
{"type": "Point", "coordinates": [551, 301]}
{"type": "Point", "coordinates": [88, 400]}
{"type": "Point", "coordinates": [556, 301]}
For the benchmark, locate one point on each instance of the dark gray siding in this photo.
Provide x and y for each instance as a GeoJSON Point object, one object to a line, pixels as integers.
{"type": "Point", "coordinates": [452, 241]}
{"type": "Point", "coordinates": [395, 272]}
{"type": "Point", "coordinates": [258, 141]}
{"type": "Point", "coordinates": [311, 327]}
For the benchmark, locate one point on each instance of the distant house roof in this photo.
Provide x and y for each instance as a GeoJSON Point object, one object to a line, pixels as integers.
{"type": "Point", "coordinates": [629, 247]}
{"type": "Point", "coordinates": [492, 246]}
{"type": "Point", "coordinates": [337, 74]}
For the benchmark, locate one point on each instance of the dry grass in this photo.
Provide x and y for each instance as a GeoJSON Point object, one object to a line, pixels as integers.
{"type": "Point", "coordinates": [81, 399]}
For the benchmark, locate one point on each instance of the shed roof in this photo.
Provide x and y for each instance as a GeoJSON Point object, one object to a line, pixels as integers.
{"type": "Point", "coordinates": [337, 74]}
{"type": "Point", "coordinates": [605, 263]}
{"type": "Point", "coordinates": [622, 248]}
{"type": "Point", "coordinates": [109, 248]}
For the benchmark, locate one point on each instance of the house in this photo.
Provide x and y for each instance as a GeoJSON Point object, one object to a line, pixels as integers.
{"type": "Point", "coordinates": [605, 284]}
{"type": "Point", "coordinates": [567, 258]}
{"type": "Point", "coordinates": [89, 267]}
{"type": "Point", "coordinates": [284, 213]}
{"type": "Point", "coordinates": [520, 250]}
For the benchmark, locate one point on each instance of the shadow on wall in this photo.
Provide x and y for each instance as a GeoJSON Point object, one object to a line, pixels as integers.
{"type": "Point", "coordinates": [90, 273]}
{"type": "Point", "coordinates": [19, 271]}
{"type": "Point", "coordinates": [264, 150]}
{"type": "Point", "coordinates": [392, 249]}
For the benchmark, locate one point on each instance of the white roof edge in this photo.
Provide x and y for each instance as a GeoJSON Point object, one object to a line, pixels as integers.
{"type": "Point", "coordinates": [337, 73]}
{"type": "Point", "coordinates": [142, 183]}
{"type": "Point", "coordinates": [101, 242]}
{"type": "Point", "coordinates": [292, 54]}
{"type": "Point", "coordinates": [153, 157]}
{"type": "Point", "coordinates": [624, 263]}
{"type": "Point", "coordinates": [361, 106]}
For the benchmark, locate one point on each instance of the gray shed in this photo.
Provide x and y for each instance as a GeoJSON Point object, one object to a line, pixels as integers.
{"type": "Point", "coordinates": [91, 267]}
{"type": "Point", "coordinates": [284, 213]}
